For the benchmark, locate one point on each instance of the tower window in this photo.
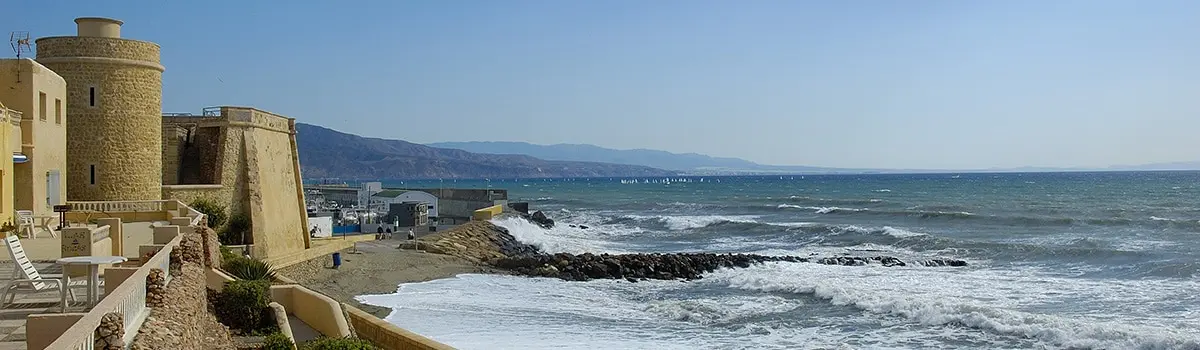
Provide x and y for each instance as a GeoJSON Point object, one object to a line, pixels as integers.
{"type": "Point", "coordinates": [93, 175]}
{"type": "Point", "coordinates": [92, 96]}
{"type": "Point", "coordinates": [42, 105]}
{"type": "Point", "coordinates": [57, 111]}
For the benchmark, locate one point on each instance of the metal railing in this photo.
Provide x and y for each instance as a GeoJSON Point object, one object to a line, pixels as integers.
{"type": "Point", "coordinates": [119, 206]}
{"type": "Point", "coordinates": [127, 299]}
{"type": "Point", "coordinates": [211, 111]}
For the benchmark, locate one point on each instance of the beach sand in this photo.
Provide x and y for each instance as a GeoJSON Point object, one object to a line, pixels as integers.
{"type": "Point", "coordinates": [377, 268]}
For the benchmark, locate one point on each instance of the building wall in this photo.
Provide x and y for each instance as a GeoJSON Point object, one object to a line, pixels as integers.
{"type": "Point", "coordinates": [41, 134]}
{"type": "Point", "coordinates": [120, 135]}
{"type": "Point", "coordinates": [6, 167]}
{"type": "Point", "coordinates": [276, 194]}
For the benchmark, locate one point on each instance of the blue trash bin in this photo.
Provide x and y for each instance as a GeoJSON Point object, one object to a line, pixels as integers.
{"type": "Point", "coordinates": [337, 260]}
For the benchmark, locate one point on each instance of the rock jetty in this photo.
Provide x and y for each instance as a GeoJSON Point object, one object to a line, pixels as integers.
{"type": "Point", "coordinates": [485, 243]}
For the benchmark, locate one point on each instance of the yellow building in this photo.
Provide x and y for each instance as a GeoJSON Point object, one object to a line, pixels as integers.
{"type": "Point", "coordinates": [114, 88]}
{"type": "Point", "coordinates": [36, 136]}
{"type": "Point", "coordinates": [7, 142]}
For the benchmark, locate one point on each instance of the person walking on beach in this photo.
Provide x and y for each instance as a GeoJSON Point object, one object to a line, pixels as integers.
{"type": "Point", "coordinates": [388, 235]}
{"type": "Point", "coordinates": [379, 233]}
{"type": "Point", "coordinates": [411, 235]}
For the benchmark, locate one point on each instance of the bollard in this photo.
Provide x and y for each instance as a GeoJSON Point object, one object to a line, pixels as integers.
{"type": "Point", "coordinates": [337, 260]}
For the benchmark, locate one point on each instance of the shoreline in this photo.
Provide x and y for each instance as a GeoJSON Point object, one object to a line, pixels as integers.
{"type": "Point", "coordinates": [377, 268]}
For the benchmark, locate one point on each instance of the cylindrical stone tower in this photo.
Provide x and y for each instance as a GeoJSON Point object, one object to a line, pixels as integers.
{"type": "Point", "coordinates": [114, 114]}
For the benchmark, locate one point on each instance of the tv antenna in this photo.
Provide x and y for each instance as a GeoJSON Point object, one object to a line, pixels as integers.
{"type": "Point", "coordinates": [19, 41]}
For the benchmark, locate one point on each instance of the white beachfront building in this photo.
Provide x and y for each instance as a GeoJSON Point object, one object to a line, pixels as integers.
{"type": "Point", "coordinates": [380, 201]}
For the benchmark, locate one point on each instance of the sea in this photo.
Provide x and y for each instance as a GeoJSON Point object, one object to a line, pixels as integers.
{"type": "Point", "coordinates": [1107, 260]}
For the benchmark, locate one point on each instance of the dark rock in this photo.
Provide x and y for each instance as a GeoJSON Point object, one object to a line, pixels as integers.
{"type": "Point", "coordinates": [539, 218]}
{"type": "Point", "coordinates": [528, 260]}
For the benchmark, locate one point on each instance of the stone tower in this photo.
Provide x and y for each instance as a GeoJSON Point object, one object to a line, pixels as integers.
{"type": "Point", "coordinates": [114, 128]}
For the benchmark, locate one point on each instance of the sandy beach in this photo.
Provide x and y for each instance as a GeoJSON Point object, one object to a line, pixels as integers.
{"type": "Point", "coordinates": [377, 268]}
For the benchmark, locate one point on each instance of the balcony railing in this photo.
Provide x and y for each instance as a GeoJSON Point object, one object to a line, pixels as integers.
{"type": "Point", "coordinates": [127, 299]}
{"type": "Point", "coordinates": [119, 206]}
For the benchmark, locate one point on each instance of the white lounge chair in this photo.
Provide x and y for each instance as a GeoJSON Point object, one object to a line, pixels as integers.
{"type": "Point", "coordinates": [27, 279]}
{"type": "Point", "coordinates": [25, 223]}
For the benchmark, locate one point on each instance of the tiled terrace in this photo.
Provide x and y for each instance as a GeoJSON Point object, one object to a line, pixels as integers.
{"type": "Point", "coordinates": [12, 317]}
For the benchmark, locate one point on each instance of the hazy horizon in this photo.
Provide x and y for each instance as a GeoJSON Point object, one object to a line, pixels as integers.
{"type": "Point", "coordinates": [915, 85]}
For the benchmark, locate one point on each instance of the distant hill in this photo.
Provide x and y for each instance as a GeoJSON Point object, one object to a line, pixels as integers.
{"type": "Point", "coordinates": [699, 164]}
{"type": "Point", "coordinates": [328, 153]}
{"type": "Point", "coordinates": [591, 153]}
{"type": "Point", "coordinates": [1160, 166]}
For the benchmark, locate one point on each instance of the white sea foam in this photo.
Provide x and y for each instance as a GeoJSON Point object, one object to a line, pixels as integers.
{"type": "Point", "coordinates": [1122, 314]}
{"type": "Point", "coordinates": [561, 238]}
{"type": "Point", "coordinates": [900, 233]}
{"type": "Point", "coordinates": [819, 210]}
{"type": "Point", "coordinates": [896, 308]}
{"type": "Point", "coordinates": [688, 222]}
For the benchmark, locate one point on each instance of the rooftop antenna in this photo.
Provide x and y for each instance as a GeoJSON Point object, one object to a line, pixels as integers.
{"type": "Point", "coordinates": [19, 41]}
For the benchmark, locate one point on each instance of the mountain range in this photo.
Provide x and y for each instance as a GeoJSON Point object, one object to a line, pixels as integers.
{"type": "Point", "coordinates": [326, 153]}
{"type": "Point", "coordinates": [699, 164]}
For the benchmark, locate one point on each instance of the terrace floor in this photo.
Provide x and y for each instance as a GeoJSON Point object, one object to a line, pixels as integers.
{"type": "Point", "coordinates": [12, 317]}
{"type": "Point", "coordinates": [43, 250]}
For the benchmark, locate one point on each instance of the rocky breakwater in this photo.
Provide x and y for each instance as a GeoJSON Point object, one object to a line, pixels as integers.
{"type": "Point", "coordinates": [631, 267]}
{"type": "Point", "coordinates": [485, 243]}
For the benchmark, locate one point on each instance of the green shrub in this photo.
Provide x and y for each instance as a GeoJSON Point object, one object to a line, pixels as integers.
{"type": "Point", "coordinates": [216, 213]}
{"type": "Point", "coordinates": [348, 343]}
{"type": "Point", "coordinates": [242, 305]}
{"type": "Point", "coordinates": [236, 231]}
{"type": "Point", "coordinates": [228, 254]}
{"type": "Point", "coordinates": [277, 341]}
{"type": "Point", "coordinates": [250, 269]}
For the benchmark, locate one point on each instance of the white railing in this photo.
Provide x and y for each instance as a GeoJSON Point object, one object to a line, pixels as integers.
{"type": "Point", "coordinates": [119, 206]}
{"type": "Point", "coordinates": [127, 299]}
{"type": "Point", "coordinates": [196, 215]}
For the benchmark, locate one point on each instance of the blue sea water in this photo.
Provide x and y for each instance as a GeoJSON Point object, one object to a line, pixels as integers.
{"type": "Point", "coordinates": [1057, 260]}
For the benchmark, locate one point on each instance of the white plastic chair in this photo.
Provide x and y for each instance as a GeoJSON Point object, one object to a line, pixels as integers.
{"type": "Point", "coordinates": [27, 279]}
{"type": "Point", "coordinates": [25, 223]}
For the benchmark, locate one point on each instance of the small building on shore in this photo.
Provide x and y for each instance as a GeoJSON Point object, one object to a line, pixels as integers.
{"type": "Point", "coordinates": [384, 199]}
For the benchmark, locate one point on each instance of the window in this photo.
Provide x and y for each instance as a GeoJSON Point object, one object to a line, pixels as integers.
{"type": "Point", "coordinates": [92, 96]}
{"type": "Point", "coordinates": [93, 174]}
{"type": "Point", "coordinates": [42, 105]}
{"type": "Point", "coordinates": [57, 111]}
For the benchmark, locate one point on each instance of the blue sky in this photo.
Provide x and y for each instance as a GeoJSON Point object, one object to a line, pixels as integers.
{"type": "Point", "coordinates": [856, 83]}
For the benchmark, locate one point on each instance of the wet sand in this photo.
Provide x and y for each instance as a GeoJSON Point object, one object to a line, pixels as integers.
{"type": "Point", "coordinates": [377, 268]}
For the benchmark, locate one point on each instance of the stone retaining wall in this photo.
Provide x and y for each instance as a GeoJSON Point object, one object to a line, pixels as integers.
{"type": "Point", "coordinates": [181, 319]}
{"type": "Point", "coordinates": [387, 335]}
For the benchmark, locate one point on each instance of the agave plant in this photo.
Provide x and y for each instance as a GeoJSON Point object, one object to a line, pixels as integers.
{"type": "Point", "coordinates": [249, 269]}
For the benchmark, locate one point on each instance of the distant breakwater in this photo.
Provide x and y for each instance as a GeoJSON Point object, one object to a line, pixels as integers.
{"type": "Point", "coordinates": [485, 243]}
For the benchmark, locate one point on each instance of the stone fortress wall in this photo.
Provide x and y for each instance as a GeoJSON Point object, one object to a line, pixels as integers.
{"type": "Point", "coordinates": [244, 158]}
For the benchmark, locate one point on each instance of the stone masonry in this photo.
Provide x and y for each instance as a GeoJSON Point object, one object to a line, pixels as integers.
{"type": "Point", "coordinates": [114, 90]}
